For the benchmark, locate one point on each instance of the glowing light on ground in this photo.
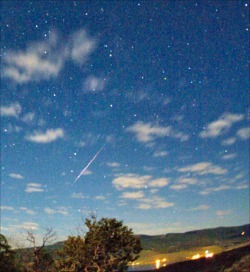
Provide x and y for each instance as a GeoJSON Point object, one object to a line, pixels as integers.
{"type": "Point", "coordinates": [196, 257]}
{"type": "Point", "coordinates": [157, 264]}
{"type": "Point", "coordinates": [208, 254]}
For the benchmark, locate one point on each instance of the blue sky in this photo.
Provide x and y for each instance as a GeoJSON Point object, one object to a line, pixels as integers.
{"type": "Point", "coordinates": [150, 99]}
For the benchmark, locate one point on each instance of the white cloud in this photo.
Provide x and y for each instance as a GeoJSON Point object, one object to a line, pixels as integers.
{"type": "Point", "coordinates": [189, 181]}
{"type": "Point", "coordinates": [28, 117]}
{"type": "Point", "coordinates": [244, 133]}
{"type": "Point", "coordinates": [178, 186]}
{"type": "Point", "coordinates": [154, 202]}
{"type": "Point", "coordinates": [242, 186]}
{"type": "Point", "coordinates": [16, 176]}
{"type": "Point", "coordinates": [132, 195]}
{"type": "Point", "coordinates": [160, 154]}
{"type": "Point", "coordinates": [215, 189]}
{"type": "Point", "coordinates": [7, 208]}
{"type": "Point", "coordinates": [222, 213]}
{"type": "Point", "coordinates": [87, 173]}
{"type": "Point", "coordinates": [78, 195]}
{"type": "Point", "coordinates": [222, 125]}
{"type": "Point", "coordinates": [229, 156]}
{"type": "Point", "coordinates": [100, 197]}
{"type": "Point", "coordinates": [34, 188]}
{"type": "Point", "coordinates": [135, 181]}
{"type": "Point", "coordinates": [40, 61]}
{"type": "Point", "coordinates": [144, 206]}
{"type": "Point", "coordinates": [201, 208]}
{"type": "Point", "coordinates": [81, 46]}
{"type": "Point", "coordinates": [43, 60]}
{"type": "Point", "coordinates": [149, 132]}
{"type": "Point", "coordinates": [93, 84]}
{"type": "Point", "coordinates": [160, 182]}
{"type": "Point", "coordinates": [29, 226]}
{"type": "Point", "coordinates": [229, 141]}
{"type": "Point", "coordinates": [113, 164]}
{"type": "Point", "coordinates": [59, 210]}
{"type": "Point", "coordinates": [28, 211]}
{"type": "Point", "coordinates": [204, 168]}
{"type": "Point", "coordinates": [12, 128]}
{"type": "Point", "coordinates": [13, 110]}
{"type": "Point", "coordinates": [49, 136]}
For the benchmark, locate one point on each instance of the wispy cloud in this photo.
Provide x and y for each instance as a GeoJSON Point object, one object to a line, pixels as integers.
{"type": "Point", "coordinates": [134, 181]}
{"type": "Point", "coordinates": [148, 132]}
{"type": "Point", "coordinates": [154, 202]}
{"type": "Point", "coordinates": [221, 126]}
{"type": "Point", "coordinates": [40, 61]}
{"type": "Point", "coordinates": [34, 188]}
{"type": "Point", "coordinates": [222, 213]}
{"type": "Point", "coordinates": [178, 187]}
{"type": "Point", "coordinates": [229, 141]}
{"type": "Point", "coordinates": [183, 183]}
{"type": "Point", "coordinates": [81, 46]}
{"type": "Point", "coordinates": [7, 208]}
{"type": "Point", "coordinates": [244, 133]}
{"type": "Point", "coordinates": [78, 195]}
{"type": "Point", "coordinates": [28, 118]}
{"type": "Point", "coordinates": [204, 168]}
{"type": "Point", "coordinates": [100, 197]}
{"type": "Point", "coordinates": [28, 211]}
{"type": "Point", "coordinates": [50, 135]}
{"type": "Point", "coordinates": [12, 128]}
{"type": "Point", "coordinates": [160, 154]}
{"type": "Point", "coordinates": [23, 227]}
{"type": "Point", "coordinates": [60, 210]}
{"type": "Point", "coordinates": [200, 208]}
{"type": "Point", "coordinates": [113, 164]}
{"type": "Point", "coordinates": [215, 189]}
{"type": "Point", "coordinates": [45, 59]}
{"type": "Point", "coordinates": [13, 110]}
{"type": "Point", "coordinates": [229, 156]}
{"type": "Point", "coordinates": [132, 195]}
{"type": "Point", "coordinates": [93, 84]}
{"type": "Point", "coordinates": [16, 176]}
{"type": "Point", "coordinates": [29, 226]}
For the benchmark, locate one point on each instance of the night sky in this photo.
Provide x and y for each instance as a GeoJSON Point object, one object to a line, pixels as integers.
{"type": "Point", "coordinates": [137, 110]}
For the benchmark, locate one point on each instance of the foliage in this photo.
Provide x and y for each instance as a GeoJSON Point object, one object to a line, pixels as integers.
{"type": "Point", "coordinates": [7, 256]}
{"type": "Point", "coordinates": [108, 246]}
{"type": "Point", "coordinates": [72, 256]}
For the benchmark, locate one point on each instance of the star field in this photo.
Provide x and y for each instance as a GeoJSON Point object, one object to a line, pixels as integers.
{"type": "Point", "coordinates": [161, 88]}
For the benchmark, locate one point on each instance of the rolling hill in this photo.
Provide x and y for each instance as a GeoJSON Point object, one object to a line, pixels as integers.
{"type": "Point", "coordinates": [173, 242]}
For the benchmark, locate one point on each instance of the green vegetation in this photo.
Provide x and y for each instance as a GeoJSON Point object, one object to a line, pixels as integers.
{"type": "Point", "coordinates": [7, 256]}
{"type": "Point", "coordinates": [108, 245]}
{"type": "Point", "coordinates": [174, 242]}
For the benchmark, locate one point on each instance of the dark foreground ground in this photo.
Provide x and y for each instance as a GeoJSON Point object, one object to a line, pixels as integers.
{"type": "Point", "coordinates": [220, 262]}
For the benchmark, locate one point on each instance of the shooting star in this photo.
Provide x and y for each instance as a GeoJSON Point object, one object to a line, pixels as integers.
{"type": "Point", "coordinates": [87, 166]}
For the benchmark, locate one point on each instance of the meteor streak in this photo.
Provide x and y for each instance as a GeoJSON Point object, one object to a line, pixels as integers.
{"type": "Point", "coordinates": [87, 166]}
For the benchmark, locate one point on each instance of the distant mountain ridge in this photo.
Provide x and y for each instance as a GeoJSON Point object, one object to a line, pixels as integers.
{"type": "Point", "coordinates": [172, 242]}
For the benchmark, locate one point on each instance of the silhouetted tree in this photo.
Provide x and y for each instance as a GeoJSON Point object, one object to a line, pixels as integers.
{"type": "Point", "coordinates": [41, 260]}
{"type": "Point", "coordinates": [7, 256]}
{"type": "Point", "coordinates": [108, 246]}
{"type": "Point", "coordinates": [71, 258]}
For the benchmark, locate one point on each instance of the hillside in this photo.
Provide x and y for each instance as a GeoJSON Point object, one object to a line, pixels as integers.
{"type": "Point", "coordinates": [223, 236]}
